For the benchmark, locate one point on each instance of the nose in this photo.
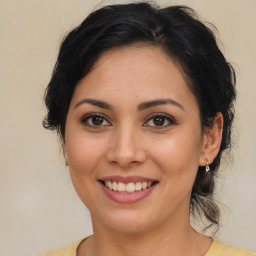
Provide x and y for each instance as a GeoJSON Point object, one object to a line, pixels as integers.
{"type": "Point", "coordinates": [126, 148]}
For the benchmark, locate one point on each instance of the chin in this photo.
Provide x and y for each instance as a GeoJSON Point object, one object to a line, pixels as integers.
{"type": "Point", "coordinates": [126, 222]}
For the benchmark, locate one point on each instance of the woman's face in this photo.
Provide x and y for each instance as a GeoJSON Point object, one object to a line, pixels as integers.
{"type": "Point", "coordinates": [133, 140]}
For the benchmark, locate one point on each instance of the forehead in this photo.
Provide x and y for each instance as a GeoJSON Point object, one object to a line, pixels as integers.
{"type": "Point", "coordinates": [140, 71]}
{"type": "Point", "coordinates": [137, 58]}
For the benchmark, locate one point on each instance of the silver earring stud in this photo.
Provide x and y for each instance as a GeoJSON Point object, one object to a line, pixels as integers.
{"type": "Point", "coordinates": [207, 167]}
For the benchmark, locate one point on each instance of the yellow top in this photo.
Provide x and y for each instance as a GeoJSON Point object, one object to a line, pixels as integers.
{"type": "Point", "coordinates": [217, 249]}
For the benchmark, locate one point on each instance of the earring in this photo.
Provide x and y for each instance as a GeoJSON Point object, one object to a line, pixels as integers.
{"type": "Point", "coordinates": [66, 162]}
{"type": "Point", "coordinates": [207, 167]}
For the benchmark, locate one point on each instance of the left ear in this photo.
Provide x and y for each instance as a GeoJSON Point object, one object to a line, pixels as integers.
{"type": "Point", "coordinates": [211, 140]}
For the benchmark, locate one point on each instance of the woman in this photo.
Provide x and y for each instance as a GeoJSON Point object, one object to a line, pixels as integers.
{"type": "Point", "coordinates": [142, 99]}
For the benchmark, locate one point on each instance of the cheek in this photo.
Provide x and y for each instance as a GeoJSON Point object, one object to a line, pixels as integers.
{"type": "Point", "coordinates": [178, 156]}
{"type": "Point", "coordinates": [83, 152]}
{"type": "Point", "coordinates": [83, 156]}
{"type": "Point", "coordinates": [178, 162]}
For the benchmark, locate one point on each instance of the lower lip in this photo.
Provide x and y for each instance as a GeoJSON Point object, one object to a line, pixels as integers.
{"type": "Point", "coordinates": [126, 198]}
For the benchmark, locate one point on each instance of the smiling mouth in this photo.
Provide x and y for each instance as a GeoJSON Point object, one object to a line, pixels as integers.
{"type": "Point", "coordinates": [130, 187]}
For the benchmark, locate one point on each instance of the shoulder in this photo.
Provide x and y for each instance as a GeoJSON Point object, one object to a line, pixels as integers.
{"type": "Point", "coordinates": [219, 248]}
{"type": "Point", "coordinates": [69, 250]}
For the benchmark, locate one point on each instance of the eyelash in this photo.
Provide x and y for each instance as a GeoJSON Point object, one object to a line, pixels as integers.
{"type": "Point", "coordinates": [171, 121]}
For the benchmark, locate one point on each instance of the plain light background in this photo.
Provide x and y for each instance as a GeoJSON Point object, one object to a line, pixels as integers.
{"type": "Point", "coordinates": [39, 208]}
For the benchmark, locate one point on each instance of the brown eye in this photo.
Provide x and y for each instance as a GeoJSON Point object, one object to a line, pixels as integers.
{"type": "Point", "coordinates": [158, 121]}
{"type": "Point", "coordinates": [95, 120]}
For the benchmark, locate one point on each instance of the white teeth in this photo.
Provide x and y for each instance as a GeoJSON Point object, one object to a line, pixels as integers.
{"type": "Point", "coordinates": [138, 186]}
{"type": "Point", "coordinates": [109, 184]}
{"type": "Point", "coordinates": [144, 185]}
{"type": "Point", "coordinates": [127, 188]}
{"type": "Point", "coordinates": [121, 187]}
{"type": "Point", "coordinates": [130, 187]}
{"type": "Point", "coordinates": [114, 186]}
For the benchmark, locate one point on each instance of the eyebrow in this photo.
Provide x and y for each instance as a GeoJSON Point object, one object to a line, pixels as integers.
{"type": "Point", "coordinates": [97, 103]}
{"type": "Point", "coordinates": [142, 106]}
{"type": "Point", "coordinates": [154, 103]}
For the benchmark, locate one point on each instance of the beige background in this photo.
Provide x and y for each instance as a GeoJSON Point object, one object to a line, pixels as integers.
{"type": "Point", "coordinates": [39, 208]}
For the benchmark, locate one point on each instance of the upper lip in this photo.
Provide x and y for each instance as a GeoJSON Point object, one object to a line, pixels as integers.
{"type": "Point", "coordinates": [126, 179]}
